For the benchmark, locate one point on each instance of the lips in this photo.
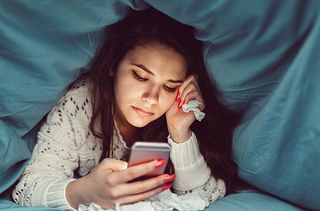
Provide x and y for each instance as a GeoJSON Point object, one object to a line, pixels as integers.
{"type": "Point", "coordinates": [142, 112]}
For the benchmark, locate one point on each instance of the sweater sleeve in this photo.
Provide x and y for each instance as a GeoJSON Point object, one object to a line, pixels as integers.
{"type": "Point", "coordinates": [192, 171]}
{"type": "Point", "coordinates": [53, 161]}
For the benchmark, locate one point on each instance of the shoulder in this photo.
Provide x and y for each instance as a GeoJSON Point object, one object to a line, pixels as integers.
{"type": "Point", "coordinates": [76, 103]}
{"type": "Point", "coordinates": [80, 89]}
{"type": "Point", "coordinates": [78, 96]}
{"type": "Point", "coordinates": [71, 116]}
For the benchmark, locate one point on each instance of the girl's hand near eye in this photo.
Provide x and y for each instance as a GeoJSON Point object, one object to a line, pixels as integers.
{"type": "Point", "coordinates": [179, 122]}
{"type": "Point", "coordinates": [109, 183]}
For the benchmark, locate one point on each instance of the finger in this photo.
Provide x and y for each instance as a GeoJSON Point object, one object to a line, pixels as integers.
{"type": "Point", "coordinates": [113, 164]}
{"type": "Point", "coordinates": [191, 87]}
{"type": "Point", "coordinates": [173, 108]}
{"type": "Point", "coordinates": [135, 171]}
{"type": "Point", "coordinates": [195, 82]}
{"type": "Point", "coordinates": [141, 186]}
{"type": "Point", "coordinates": [142, 196]}
{"type": "Point", "coordinates": [194, 79]}
{"type": "Point", "coordinates": [194, 95]}
{"type": "Point", "coordinates": [186, 82]}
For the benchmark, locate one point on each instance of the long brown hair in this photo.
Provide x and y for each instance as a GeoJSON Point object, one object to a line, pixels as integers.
{"type": "Point", "coordinates": [214, 132]}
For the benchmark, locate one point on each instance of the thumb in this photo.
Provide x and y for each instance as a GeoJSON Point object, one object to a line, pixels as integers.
{"type": "Point", "coordinates": [113, 164]}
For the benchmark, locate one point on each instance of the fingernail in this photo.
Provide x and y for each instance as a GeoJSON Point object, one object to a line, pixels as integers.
{"type": "Point", "coordinates": [160, 163]}
{"type": "Point", "coordinates": [167, 186]}
{"type": "Point", "coordinates": [180, 104]}
{"type": "Point", "coordinates": [178, 96]}
{"type": "Point", "coordinates": [169, 178]}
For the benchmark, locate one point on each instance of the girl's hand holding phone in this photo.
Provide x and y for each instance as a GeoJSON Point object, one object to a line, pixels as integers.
{"type": "Point", "coordinates": [179, 122]}
{"type": "Point", "coordinates": [109, 183]}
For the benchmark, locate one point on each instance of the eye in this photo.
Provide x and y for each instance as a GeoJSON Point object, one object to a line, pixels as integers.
{"type": "Point", "coordinates": [138, 77]}
{"type": "Point", "coordinates": [169, 89]}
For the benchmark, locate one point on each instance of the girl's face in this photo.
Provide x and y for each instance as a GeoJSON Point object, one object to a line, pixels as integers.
{"type": "Point", "coordinates": [146, 83]}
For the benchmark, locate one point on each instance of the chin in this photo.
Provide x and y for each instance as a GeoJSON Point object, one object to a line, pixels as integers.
{"type": "Point", "coordinates": [138, 123]}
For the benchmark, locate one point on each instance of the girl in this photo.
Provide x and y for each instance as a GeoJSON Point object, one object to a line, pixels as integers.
{"type": "Point", "coordinates": [148, 67]}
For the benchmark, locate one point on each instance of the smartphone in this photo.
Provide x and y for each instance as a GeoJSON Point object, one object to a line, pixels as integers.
{"type": "Point", "coordinates": [142, 152]}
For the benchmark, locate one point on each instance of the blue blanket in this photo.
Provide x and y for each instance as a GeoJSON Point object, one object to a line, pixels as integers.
{"type": "Point", "coordinates": [263, 56]}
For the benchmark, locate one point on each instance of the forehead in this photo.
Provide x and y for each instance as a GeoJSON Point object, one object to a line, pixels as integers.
{"type": "Point", "coordinates": [159, 59]}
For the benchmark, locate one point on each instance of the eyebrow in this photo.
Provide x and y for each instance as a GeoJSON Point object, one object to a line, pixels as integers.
{"type": "Point", "coordinates": [150, 72]}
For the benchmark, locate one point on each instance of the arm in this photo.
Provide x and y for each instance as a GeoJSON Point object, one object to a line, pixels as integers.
{"type": "Point", "coordinates": [192, 172]}
{"type": "Point", "coordinates": [51, 166]}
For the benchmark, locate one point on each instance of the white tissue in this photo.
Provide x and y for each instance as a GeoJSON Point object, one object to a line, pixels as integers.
{"type": "Point", "coordinates": [164, 201]}
{"type": "Point", "coordinates": [193, 105]}
{"type": "Point", "coordinates": [169, 201]}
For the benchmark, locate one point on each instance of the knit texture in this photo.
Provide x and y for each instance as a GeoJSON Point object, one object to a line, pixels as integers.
{"type": "Point", "coordinates": [66, 149]}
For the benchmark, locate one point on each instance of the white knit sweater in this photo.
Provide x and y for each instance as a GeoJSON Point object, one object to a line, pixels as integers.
{"type": "Point", "coordinates": [66, 146]}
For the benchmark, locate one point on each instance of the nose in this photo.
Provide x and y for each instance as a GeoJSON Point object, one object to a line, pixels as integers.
{"type": "Point", "coordinates": [151, 96]}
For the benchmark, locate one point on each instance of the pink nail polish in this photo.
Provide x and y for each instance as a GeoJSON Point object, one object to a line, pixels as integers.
{"type": "Point", "coordinates": [169, 178]}
{"type": "Point", "coordinates": [167, 186]}
{"type": "Point", "coordinates": [160, 163]}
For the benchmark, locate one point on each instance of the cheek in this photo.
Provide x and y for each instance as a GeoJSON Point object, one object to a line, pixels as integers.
{"type": "Point", "coordinates": [125, 89]}
{"type": "Point", "coordinates": [166, 102]}
{"type": "Point", "coordinates": [126, 95]}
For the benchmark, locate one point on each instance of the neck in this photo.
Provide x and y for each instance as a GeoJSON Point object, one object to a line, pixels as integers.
{"type": "Point", "coordinates": [129, 133]}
